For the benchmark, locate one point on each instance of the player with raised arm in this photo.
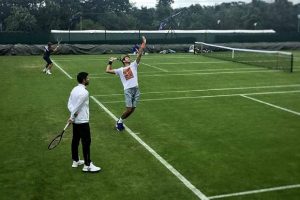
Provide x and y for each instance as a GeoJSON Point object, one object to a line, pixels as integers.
{"type": "Point", "coordinates": [47, 52]}
{"type": "Point", "coordinates": [129, 77]}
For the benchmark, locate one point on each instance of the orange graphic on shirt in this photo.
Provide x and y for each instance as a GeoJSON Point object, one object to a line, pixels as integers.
{"type": "Point", "coordinates": [128, 73]}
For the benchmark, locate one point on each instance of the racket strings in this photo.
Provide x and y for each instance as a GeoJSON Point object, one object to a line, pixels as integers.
{"type": "Point", "coordinates": [55, 142]}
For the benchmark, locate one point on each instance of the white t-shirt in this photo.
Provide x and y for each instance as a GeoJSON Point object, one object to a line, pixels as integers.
{"type": "Point", "coordinates": [128, 75]}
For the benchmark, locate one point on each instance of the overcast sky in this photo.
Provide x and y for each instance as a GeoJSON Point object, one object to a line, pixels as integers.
{"type": "Point", "coordinates": [186, 3]}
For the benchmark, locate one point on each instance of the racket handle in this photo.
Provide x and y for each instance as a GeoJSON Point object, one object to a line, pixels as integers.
{"type": "Point", "coordinates": [67, 125]}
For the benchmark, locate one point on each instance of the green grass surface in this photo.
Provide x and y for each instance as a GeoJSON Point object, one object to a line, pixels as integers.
{"type": "Point", "coordinates": [191, 113]}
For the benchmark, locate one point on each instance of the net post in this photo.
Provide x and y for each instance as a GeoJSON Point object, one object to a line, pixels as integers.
{"type": "Point", "coordinates": [232, 54]}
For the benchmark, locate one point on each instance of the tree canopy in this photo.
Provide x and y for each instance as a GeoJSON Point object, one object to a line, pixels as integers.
{"type": "Point", "coordinates": [44, 15]}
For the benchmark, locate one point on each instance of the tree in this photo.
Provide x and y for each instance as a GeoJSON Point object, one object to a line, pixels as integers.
{"type": "Point", "coordinates": [164, 3]}
{"type": "Point", "coordinates": [193, 20]}
{"type": "Point", "coordinates": [101, 6]}
{"type": "Point", "coordinates": [56, 14]}
{"type": "Point", "coordinates": [20, 20]}
{"type": "Point", "coordinates": [6, 7]}
{"type": "Point", "coordinates": [88, 24]}
{"type": "Point", "coordinates": [145, 18]}
{"type": "Point", "coordinates": [110, 14]}
{"type": "Point", "coordinates": [44, 15]}
{"type": "Point", "coordinates": [282, 16]}
{"type": "Point", "coordinates": [163, 10]}
{"type": "Point", "coordinates": [254, 16]}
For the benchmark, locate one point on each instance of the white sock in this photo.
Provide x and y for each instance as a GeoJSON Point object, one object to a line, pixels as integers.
{"type": "Point", "coordinates": [120, 120]}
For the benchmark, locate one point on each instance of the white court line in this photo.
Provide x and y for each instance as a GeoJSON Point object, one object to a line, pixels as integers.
{"type": "Point", "coordinates": [76, 59]}
{"type": "Point", "coordinates": [68, 75]}
{"type": "Point", "coordinates": [205, 90]}
{"type": "Point", "coordinates": [200, 62]}
{"type": "Point", "coordinates": [211, 73]}
{"type": "Point", "coordinates": [255, 191]}
{"type": "Point", "coordinates": [154, 67]}
{"type": "Point", "coordinates": [143, 58]}
{"type": "Point", "coordinates": [189, 185]}
{"type": "Point", "coordinates": [171, 57]}
{"type": "Point", "coordinates": [214, 69]}
{"type": "Point", "coordinates": [272, 105]}
{"type": "Point", "coordinates": [224, 61]}
{"type": "Point", "coordinates": [206, 73]}
{"type": "Point", "coordinates": [200, 70]}
{"type": "Point", "coordinates": [210, 96]}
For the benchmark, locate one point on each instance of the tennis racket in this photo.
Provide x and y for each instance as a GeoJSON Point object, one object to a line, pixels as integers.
{"type": "Point", "coordinates": [58, 138]}
{"type": "Point", "coordinates": [58, 40]}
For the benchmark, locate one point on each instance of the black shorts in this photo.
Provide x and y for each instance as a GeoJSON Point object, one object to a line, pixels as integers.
{"type": "Point", "coordinates": [47, 59]}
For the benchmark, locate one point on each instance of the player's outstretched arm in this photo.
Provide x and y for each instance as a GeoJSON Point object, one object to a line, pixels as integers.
{"type": "Point", "coordinates": [141, 50]}
{"type": "Point", "coordinates": [109, 68]}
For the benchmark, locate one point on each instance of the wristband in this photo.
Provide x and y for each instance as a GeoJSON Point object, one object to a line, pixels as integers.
{"type": "Point", "coordinates": [110, 62]}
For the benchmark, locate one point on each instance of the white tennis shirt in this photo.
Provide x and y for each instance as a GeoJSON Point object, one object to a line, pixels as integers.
{"type": "Point", "coordinates": [128, 75]}
{"type": "Point", "coordinates": [79, 103]}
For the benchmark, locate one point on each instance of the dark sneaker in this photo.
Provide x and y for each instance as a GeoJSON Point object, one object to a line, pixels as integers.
{"type": "Point", "coordinates": [119, 126]}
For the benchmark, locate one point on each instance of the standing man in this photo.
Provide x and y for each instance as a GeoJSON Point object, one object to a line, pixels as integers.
{"type": "Point", "coordinates": [128, 75]}
{"type": "Point", "coordinates": [78, 106]}
{"type": "Point", "coordinates": [47, 52]}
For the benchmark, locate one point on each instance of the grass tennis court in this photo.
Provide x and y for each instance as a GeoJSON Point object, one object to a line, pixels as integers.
{"type": "Point", "coordinates": [227, 128]}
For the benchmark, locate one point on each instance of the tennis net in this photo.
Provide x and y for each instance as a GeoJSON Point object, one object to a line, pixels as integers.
{"type": "Point", "coordinates": [277, 60]}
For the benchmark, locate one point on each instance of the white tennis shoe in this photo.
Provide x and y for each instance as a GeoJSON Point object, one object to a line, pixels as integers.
{"type": "Point", "coordinates": [76, 164]}
{"type": "Point", "coordinates": [91, 168]}
{"type": "Point", "coordinates": [48, 72]}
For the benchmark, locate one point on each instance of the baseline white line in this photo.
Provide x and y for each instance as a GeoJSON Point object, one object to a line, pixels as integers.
{"type": "Point", "coordinates": [68, 75]}
{"type": "Point", "coordinates": [154, 67]}
{"type": "Point", "coordinates": [211, 96]}
{"type": "Point", "coordinates": [255, 191]}
{"type": "Point", "coordinates": [189, 185]}
{"type": "Point", "coordinates": [205, 90]}
{"type": "Point", "coordinates": [272, 105]}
